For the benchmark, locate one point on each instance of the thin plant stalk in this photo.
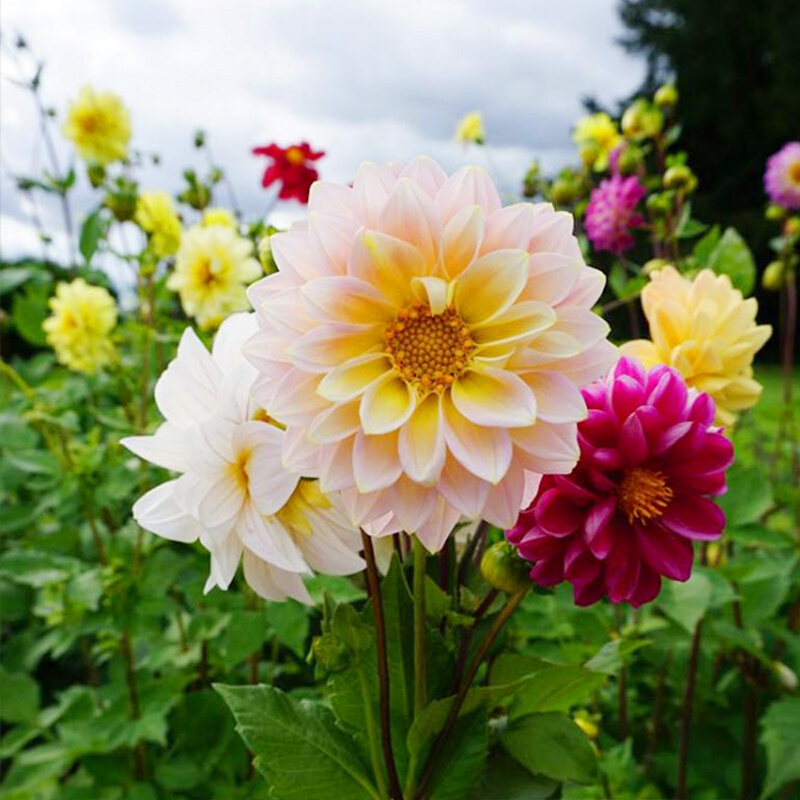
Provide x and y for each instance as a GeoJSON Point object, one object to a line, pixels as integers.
{"type": "Point", "coordinates": [374, 589]}
{"type": "Point", "coordinates": [687, 714]}
{"type": "Point", "coordinates": [420, 661]}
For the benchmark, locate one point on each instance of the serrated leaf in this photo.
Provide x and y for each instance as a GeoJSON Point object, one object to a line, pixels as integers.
{"type": "Point", "coordinates": [732, 257]}
{"type": "Point", "coordinates": [779, 728]}
{"type": "Point", "coordinates": [298, 746]}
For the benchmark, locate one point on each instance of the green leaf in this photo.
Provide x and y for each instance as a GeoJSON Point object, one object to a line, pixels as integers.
{"type": "Point", "coordinates": [687, 603]}
{"type": "Point", "coordinates": [552, 745]}
{"type": "Point", "coordinates": [732, 257]}
{"type": "Point", "coordinates": [779, 728]}
{"type": "Point", "coordinates": [11, 277]}
{"type": "Point", "coordinates": [289, 622]}
{"type": "Point", "coordinates": [463, 758]}
{"type": "Point", "coordinates": [298, 746]}
{"type": "Point", "coordinates": [28, 311]}
{"type": "Point", "coordinates": [19, 696]}
{"type": "Point", "coordinates": [749, 496]}
{"type": "Point", "coordinates": [36, 568]}
{"type": "Point", "coordinates": [612, 656]}
{"type": "Point", "coordinates": [703, 249]}
{"type": "Point", "coordinates": [92, 230]}
{"type": "Point", "coordinates": [506, 779]}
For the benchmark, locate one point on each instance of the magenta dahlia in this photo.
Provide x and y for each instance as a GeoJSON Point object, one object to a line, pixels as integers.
{"type": "Point", "coordinates": [638, 498]}
{"type": "Point", "coordinates": [782, 176]}
{"type": "Point", "coordinates": [611, 213]}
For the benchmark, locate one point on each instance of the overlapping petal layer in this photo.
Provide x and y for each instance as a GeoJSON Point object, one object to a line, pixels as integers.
{"type": "Point", "coordinates": [424, 345]}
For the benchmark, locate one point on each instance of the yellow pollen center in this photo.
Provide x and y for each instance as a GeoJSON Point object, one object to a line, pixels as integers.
{"type": "Point", "coordinates": [428, 350]}
{"type": "Point", "coordinates": [294, 155]}
{"type": "Point", "coordinates": [643, 494]}
{"type": "Point", "coordinates": [239, 469]}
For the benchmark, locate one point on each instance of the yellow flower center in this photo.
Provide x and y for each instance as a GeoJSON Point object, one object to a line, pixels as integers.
{"type": "Point", "coordinates": [294, 155]}
{"type": "Point", "coordinates": [794, 172]}
{"type": "Point", "coordinates": [239, 469]}
{"type": "Point", "coordinates": [305, 498]}
{"type": "Point", "coordinates": [643, 494]}
{"type": "Point", "coordinates": [204, 275]}
{"type": "Point", "coordinates": [428, 350]}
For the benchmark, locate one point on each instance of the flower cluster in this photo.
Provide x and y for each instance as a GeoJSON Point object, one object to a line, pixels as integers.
{"type": "Point", "coordinates": [80, 324]}
{"type": "Point", "coordinates": [291, 167]}
{"type": "Point", "coordinates": [425, 346]}
{"type": "Point", "coordinates": [233, 494]}
{"type": "Point", "coordinates": [650, 460]}
{"type": "Point", "coordinates": [707, 331]}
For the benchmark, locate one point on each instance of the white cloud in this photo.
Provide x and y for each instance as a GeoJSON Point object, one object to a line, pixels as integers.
{"type": "Point", "coordinates": [360, 79]}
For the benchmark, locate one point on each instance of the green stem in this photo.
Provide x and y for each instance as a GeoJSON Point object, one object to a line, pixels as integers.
{"type": "Point", "coordinates": [372, 734]}
{"type": "Point", "coordinates": [420, 666]}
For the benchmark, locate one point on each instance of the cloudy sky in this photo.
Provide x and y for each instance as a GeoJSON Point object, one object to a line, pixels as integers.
{"type": "Point", "coordinates": [363, 79]}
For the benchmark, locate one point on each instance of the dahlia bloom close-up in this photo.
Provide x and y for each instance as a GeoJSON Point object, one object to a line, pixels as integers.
{"type": "Point", "coordinates": [213, 268]}
{"type": "Point", "coordinates": [425, 346]}
{"type": "Point", "coordinates": [782, 176]}
{"type": "Point", "coordinates": [707, 331]}
{"type": "Point", "coordinates": [99, 126]}
{"type": "Point", "coordinates": [640, 495]}
{"type": "Point", "coordinates": [233, 494]}
{"type": "Point", "coordinates": [611, 213]}
{"type": "Point", "coordinates": [291, 166]}
{"type": "Point", "coordinates": [80, 324]}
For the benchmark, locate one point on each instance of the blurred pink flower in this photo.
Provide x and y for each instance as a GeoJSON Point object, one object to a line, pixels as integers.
{"type": "Point", "coordinates": [640, 495]}
{"type": "Point", "coordinates": [782, 176]}
{"type": "Point", "coordinates": [611, 213]}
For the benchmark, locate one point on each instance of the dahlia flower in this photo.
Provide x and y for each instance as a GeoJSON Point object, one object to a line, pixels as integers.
{"type": "Point", "coordinates": [219, 216]}
{"type": "Point", "coordinates": [782, 176]}
{"type": "Point", "coordinates": [470, 128]}
{"type": "Point", "coordinates": [213, 266]}
{"type": "Point", "coordinates": [707, 331]}
{"type": "Point", "coordinates": [156, 216]}
{"type": "Point", "coordinates": [233, 494]}
{"type": "Point", "coordinates": [424, 346]}
{"type": "Point", "coordinates": [99, 126]}
{"type": "Point", "coordinates": [611, 213]}
{"type": "Point", "coordinates": [290, 166]}
{"type": "Point", "coordinates": [79, 327]}
{"type": "Point", "coordinates": [627, 516]}
{"type": "Point", "coordinates": [597, 135]}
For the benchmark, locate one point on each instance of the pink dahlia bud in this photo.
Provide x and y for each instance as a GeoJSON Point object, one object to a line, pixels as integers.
{"type": "Point", "coordinates": [639, 497]}
{"type": "Point", "coordinates": [611, 213]}
{"type": "Point", "coordinates": [782, 176]}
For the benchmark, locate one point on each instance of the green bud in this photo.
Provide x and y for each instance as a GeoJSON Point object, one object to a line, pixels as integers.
{"type": "Point", "coordinates": [563, 192]}
{"type": "Point", "coordinates": [785, 675]}
{"type": "Point", "coordinates": [659, 204]}
{"type": "Point", "coordinates": [773, 276]}
{"type": "Point", "coordinates": [589, 153]}
{"type": "Point", "coordinates": [791, 227]}
{"type": "Point", "coordinates": [630, 160]}
{"type": "Point", "coordinates": [680, 178]}
{"type": "Point", "coordinates": [122, 206]}
{"type": "Point", "coordinates": [531, 185]}
{"type": "Point", "coordinates": [199, 139]}
{"type": "Point", "coordinates": [96, 174]}
{"type": "Point", "coordinates": [775, 213]}
{"type": "Point", "coordinates": [655, 264]}
{"type": "Point", "coordinates": [503, 569]}
{"type": "Point", "coordinates": [331, 652]}
{"type": "Point", "coordinates": [666, 96]}
{"type": "Point", "coordinates": [642, 120]}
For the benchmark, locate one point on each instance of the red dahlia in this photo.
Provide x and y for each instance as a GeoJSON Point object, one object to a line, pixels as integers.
{"type": "Point", "coordinates": [290, 166]}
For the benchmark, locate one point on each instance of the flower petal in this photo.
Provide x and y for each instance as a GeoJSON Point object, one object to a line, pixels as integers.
{"type": "Point", "coordinates": [376, 464]}
{"type": "Point", "coordinates": [347, 299]}
{"type": "Point", "coordinates": [493, 397]}
{"type": "Point", "coordinates": [694, 517]}
{"type": "Point", "coordinates": [461, 239]}
{"type": "Point", "coordinates": [490, 285]}
{"type": "Point", "coordinates": [158, 512]}
{"type": "Point", "coordinates": [350, 380]}
{"type": "Point", "coordinates": [409, 215]}
{"type": "Point", "coordinates": [522, 321]}
{"type": "Point", "coordinates": [331, 344]}
{"type": "Point", "coordinates": [421, 445]}
{"type": "Point", "coordinates": [468, 187]}
{"type": "Point", "coordinates": [268, 539]}
{"type": "Point", "coordinates": [386, 404]}
{"type": "Point", "coordinates": [336, 423]}
{"type": "Point", "coordinates": [557, 397]}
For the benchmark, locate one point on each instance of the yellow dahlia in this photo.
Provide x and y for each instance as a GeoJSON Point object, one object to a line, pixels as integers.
{"type": "Point", "coordinates": [218, 216]}
{"type": "Point", "coordinates": [80, 325]}
{"type": "Point", "coordinates": [707, 331]}
{"type": "Point", "coordinates": [597, 135]}
{"type": "Point", "coordinates": [99, 126]}
{"type": "Point", "coordinates": [424, 346]}
{"type": "Point", "coordinates": [156, 215]}
{"type": "Point", "coordinates": [470, 128]}
{"type": "Point", "coordinates": [212, 269]}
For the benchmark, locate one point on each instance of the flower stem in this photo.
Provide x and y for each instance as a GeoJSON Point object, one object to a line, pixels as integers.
{"type": "Point", "coordinates": [374, 589]}
{"type": "Point", "coordinates": [686, 713]}
{"type": "Point", "coordinates": [441, 740]}
{"type": "Point", "coordinates": [420, 665]}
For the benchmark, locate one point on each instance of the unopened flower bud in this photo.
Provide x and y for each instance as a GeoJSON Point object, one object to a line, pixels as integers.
{"type": "Point", "coordinates": [587, 723]}
{"type": "Point", "coordinates": [265, 255]}
{"type": "Point", "coordinates": [659, 204]}
{"type": "Point", "coordinates": [629, 161]}
{"type": "Point", "coordinates": [773, 276]}
{"type": "Point", "coordinates": [785, 675]}
{"type": "Point", "coordinates": [122, 206]}
{"type": "Point", "coordinates": [562, 192]}
{"type": "Point", "coordinates": [589, 153]}
{"type": "Point", "coordinates": [199, 139]}
{"type": "Point", "coordinates": [96, 173]}
{"type": "Point", "coordinates": [715, 554]}
{"type": "Point", "coordinates": [792, 226]}
{"type": "Point", "coordinates": [666, 96]}
{"type": "Point", "coordinates": [775, 213]}
{"type": "Point", "coordinates": [503, 569]}
{"type": "Point", "coordinates": [531, 185]}
{"type": "Point", "coordinates": [680, 178]}
{"type": "Point", "coordinates": [642, 120]}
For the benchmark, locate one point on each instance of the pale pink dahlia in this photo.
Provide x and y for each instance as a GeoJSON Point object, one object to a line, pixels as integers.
{"type": "Point", "coordinates": [424, 346]}
{"type": "Point", "coordinates": [611, 213]}
{"type": "Point", "coordinates": [782, 176]}
{"type": "Point", "coordinates": [627, 516]}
